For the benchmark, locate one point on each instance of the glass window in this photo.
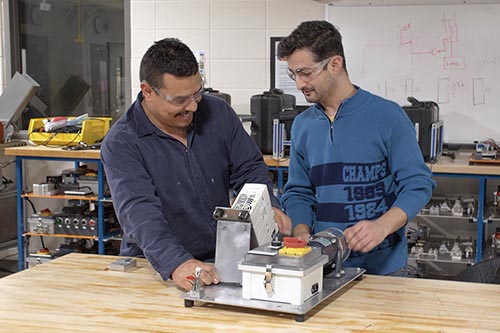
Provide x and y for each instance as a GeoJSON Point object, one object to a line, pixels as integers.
{"type": "Point", "coordinates": [75, 50]}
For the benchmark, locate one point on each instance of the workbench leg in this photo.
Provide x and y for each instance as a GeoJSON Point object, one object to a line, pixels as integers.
{"type": "Point", "coordinates": [300, 318]}
{"type": "Point", "coordinates": [188, 303]}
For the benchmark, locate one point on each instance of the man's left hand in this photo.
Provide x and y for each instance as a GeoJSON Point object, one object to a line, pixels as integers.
{"type": "Point", "coordinates": [283, 221]}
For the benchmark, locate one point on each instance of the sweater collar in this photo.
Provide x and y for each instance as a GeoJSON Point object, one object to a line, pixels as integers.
{"type": "Point", "coordinates": [351, 104]}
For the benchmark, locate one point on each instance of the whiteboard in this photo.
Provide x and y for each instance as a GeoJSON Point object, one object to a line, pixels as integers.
{"type": "Point", "coordinates": [449, 54]}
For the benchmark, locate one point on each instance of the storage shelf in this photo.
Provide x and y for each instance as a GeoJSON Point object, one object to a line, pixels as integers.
{"type": "Point", "coordinates": [108, 236]}
{"type": "Point", "coordinates": [443, 260]}
{"type": "Point", "coordinates": [57, 155]}
{"type": "Point", "coordinates": [461, 217]}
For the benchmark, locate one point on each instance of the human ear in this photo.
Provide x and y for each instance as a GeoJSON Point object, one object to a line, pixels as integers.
{"type": "Point", "coordinates": [336, 63]}
{"type": "Point", "coordinates": [146, 89]}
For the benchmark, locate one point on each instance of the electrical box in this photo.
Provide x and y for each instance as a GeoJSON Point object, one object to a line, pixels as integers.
{"type": "Point", "coordinates": [41, 224]}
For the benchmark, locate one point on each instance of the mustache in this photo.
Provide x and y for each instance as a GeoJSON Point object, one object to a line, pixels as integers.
{"type": "Point", "coordinates": [183, 113]}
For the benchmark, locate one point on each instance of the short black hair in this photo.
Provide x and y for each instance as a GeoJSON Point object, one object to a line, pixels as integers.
{"type": "Point", "coordinates": [319, 37]}
{"type": "Point", "coordinates": [168, 55]}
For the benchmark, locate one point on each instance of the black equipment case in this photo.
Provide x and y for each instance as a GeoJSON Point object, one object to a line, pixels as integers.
{"type": "Point", "coordinates": [266, 107]}
{"type": "Point", "coordinates": [429, 129]}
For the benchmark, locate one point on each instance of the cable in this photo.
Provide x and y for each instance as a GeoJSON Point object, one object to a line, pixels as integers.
{"type": "Point", "coordinates": [31, 203]}
{"type": "Point", "coordinates": [7, 163]}
{"type": "Point", "coordinates": [47, 141]}
{"type": "Point", "coordinates": [5, 183]}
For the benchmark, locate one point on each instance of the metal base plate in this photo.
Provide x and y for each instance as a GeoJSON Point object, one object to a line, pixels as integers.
{"type": "Point", "coordinates": [228, 294]}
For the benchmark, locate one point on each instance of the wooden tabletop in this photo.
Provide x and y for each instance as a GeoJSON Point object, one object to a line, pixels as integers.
{"type": "Point", "coordinates": [274, 162]}
{"type": "Point", "coordinates": [444, 165]}
{"type": "Point", "coordinates": [461, 165]}
{"type": "Point", "coordinates": [77, 293]}
{"type": "Point", "coordinates": [43, 151]}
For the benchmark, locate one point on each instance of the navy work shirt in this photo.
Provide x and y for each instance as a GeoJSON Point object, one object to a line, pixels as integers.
{"type": "Point", "coordinates": [164, 192]}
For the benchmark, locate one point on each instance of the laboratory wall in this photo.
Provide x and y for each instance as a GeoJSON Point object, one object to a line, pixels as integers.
{"type": "Point", "coordinates": [234, 34]}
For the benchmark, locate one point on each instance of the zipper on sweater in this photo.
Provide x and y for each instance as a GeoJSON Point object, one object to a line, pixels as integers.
{"type": "Point", "coordinates": [331, 129]}
{"type": "Point", "coordinates": [333, 122]}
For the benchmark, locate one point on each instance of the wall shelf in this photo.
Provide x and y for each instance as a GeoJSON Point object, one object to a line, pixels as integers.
{"type": "Point", "coordinates": [61, 196]}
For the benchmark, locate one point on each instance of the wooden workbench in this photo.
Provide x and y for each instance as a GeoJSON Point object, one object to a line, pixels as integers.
{"type": "Point", "coordinates": [76, 293]}
{"type": "Point", "coordinates": [42, 151]}
{"type": "Point", "coordinates": [460, 165]}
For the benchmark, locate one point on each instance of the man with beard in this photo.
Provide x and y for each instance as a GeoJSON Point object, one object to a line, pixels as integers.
{"type": "Point", "coordinates": [171, 159]}
{"type": "Point", "coordinates": [355, 163]}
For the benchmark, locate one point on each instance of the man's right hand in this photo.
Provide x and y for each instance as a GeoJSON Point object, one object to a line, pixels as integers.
{"type": "Point", "coordinates": [186, 269]}
{"type": "Point", "coordinates": [302, 232]}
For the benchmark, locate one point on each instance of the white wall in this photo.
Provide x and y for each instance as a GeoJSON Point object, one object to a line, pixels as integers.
{"type": "Point", "coordinates": [235, 35]}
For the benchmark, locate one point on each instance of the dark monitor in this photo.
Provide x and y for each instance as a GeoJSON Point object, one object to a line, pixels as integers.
{"type": "Point", "coordinates": [68, 97]}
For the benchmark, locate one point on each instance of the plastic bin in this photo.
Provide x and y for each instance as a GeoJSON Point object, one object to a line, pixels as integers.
{"type": "Point", "coordinates": [93, 129]}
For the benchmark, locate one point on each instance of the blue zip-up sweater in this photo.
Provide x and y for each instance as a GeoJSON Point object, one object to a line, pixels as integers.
{"type": "Point", "coordinates": [356, 168]}
{"type": "Point", "coordinates": [164, 193]}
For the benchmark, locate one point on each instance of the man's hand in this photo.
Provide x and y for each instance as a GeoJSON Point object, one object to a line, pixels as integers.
{"type": "Point", "coordinates": [186, 269]}
{"type": "Point", "coordinates": [302, 232]}
{"type": "Point", "coordinates": [365, 235]}
{"type": "Point", "coordinates": [283, 221]}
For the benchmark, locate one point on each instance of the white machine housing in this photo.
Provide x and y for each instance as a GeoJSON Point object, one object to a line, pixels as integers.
{"type": "Point", "coordinates": [255, 199]}
{"type": "Point", "coordinates": [270, 276]}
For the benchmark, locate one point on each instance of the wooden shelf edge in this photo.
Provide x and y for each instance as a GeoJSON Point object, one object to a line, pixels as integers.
{"type": "Point", "coordinates": [61, 196]}
{"type": "Point", "coordinates": [60, 235]}
{"type": "Point", "coordinates": [109, 234]}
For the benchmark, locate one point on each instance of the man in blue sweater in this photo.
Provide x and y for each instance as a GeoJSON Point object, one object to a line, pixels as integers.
{"type": "Point", "coordinates": [355, 163]}
{"type": "Point", "coordinates": [171, 159]}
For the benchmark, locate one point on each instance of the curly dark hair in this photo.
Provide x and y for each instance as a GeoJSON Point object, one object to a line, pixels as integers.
{"type": "Point", "coordinates": [319, 37]}
{"type": "Point", "coordinates": [168, 55]}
